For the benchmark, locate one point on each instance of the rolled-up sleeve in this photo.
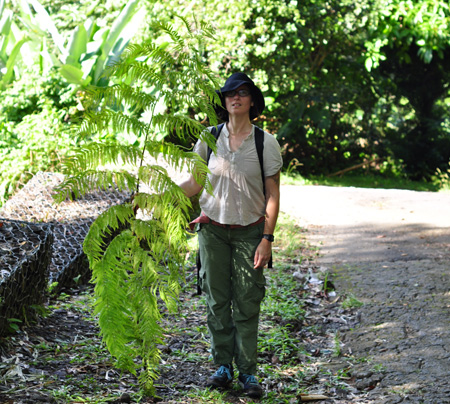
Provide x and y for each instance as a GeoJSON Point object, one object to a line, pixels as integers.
{"type": "Point", "coordinates": [272, 155]}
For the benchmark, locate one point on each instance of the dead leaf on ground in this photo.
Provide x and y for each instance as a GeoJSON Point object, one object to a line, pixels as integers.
{"type": "Point", "coordinates": [312, 397]}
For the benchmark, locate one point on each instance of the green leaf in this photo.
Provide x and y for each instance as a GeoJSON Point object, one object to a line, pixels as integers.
{"type": "Point", "coordinates": [11, 61]}
{"type": "Point", "coordinates": [74, 75]}
{"type": "Point", "coordinates": [77, 46]}
{"type": "Point", "coordinates": [126, 35]}
{"type": "Point", "coordinates": [87, 66]}
{"type": "Point", "coordinates": [98, 40]}
{"type": "Point", "coordinates": [46, 56]}
{"type": "Point", "coordinates": [5, 30]}
{"type": "Point", "coordinates": [428, 55]}
{"type": "Point", "coordinates": [47, 23]}
{"type": "Point", "coordinates": [114, 36]}
{"type": "Point", "coordinates": [5, 22]}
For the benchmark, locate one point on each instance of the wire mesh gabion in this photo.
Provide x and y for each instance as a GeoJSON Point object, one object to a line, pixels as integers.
{"type": "Point", "coordinates": [25, 253]}
{"type": "Point", "coordinates": [69, 220]}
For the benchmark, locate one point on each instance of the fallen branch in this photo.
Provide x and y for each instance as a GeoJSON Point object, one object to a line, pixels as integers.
{"type": "Point", "coordinates": [345, 170]}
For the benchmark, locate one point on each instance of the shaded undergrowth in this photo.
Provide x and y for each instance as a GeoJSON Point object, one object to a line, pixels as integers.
{"type": "Point", "coordinates": [62, 360]}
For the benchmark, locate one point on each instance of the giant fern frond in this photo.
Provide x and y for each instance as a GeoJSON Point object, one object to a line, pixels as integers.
{"type": "Point", "coordinates": [104, 226]}
{"type": "Point", "coordinates": [99, 154]}
{"type": "Point", "coordinates": [137, 260]}
{"type": "Point", "coordinates": [110, 95]}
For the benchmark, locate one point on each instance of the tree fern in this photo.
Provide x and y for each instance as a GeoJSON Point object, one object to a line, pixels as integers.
{"type": "Point", "coordinates": [137, 264]}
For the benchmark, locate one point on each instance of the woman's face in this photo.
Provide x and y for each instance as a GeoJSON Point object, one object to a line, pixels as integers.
{"type": "Point", "coordinates": [239, 101]}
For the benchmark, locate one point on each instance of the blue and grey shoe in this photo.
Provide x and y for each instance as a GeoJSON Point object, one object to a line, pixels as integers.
{"type": "Point", "coordinates": [222, 378]}
{"type": "Point", "coordinates": [250, 385]}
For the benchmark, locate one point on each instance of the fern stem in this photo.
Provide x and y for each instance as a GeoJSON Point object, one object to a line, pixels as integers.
{"type": "Point", "coordinates": [145, 146]}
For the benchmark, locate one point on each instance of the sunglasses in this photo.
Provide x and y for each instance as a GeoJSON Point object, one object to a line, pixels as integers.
{"type": "Point", "coordinates": [241, 93]}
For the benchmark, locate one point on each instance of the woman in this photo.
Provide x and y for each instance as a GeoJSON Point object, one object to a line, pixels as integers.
{"type": "Point", "coordinates": [235, 232]}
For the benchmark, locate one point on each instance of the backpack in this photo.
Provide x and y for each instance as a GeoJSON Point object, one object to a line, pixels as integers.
{"type": "Point", "coordinates": [259, 143]}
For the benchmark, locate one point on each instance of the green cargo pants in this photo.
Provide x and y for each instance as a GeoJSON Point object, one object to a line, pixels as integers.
{"type": "Point", "coordinates": [234, 291]}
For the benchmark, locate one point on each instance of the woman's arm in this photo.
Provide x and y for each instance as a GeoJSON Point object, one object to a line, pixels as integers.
{"type": "Point", "coordinates": [190, 187]}
{"type": "Point", "coordinates": [264, 250]}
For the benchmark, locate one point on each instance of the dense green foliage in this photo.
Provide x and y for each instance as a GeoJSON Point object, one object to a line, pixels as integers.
{"type": "Point", "coordinates": [37, 64]}
{"type": "Point", "coordinates": [345, 82]}
{"type": "Point", "coordinates": [33, 115]}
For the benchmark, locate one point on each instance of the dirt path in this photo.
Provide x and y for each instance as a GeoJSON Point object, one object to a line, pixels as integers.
{"type": "Point", "coordinates": [391, 250]}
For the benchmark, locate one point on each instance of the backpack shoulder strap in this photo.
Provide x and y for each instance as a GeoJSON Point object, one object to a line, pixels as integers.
{"type": "Point", "coordinates": [259, 143]}
{"type": "Point", "coordinates": [215, 130]}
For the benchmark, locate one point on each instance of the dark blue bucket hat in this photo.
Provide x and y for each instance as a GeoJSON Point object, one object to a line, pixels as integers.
{"type": "Point", "coordinates": [235, 81]}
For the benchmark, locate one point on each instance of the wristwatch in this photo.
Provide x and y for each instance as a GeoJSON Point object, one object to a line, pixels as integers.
{"type": "Point", "coordinates": [268, 237]}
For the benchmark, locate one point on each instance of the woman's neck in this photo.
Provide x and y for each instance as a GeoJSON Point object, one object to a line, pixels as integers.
{"type": "Point", "coordinates": [239, 126]}
{"type": "Point", "coordinates": [238, 130]}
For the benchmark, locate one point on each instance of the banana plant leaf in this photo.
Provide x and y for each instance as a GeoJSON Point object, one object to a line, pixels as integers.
{"type": "Point", "coordinates": [46, 23]}
{"type": "Point", "coordinates": [77, 46]}
{"type": "Point", "coordinates": [8, 76]}
{"type": "Point", "coordinates": [74, 75]}
{"type": "Point", "coordinates": [117, 37]}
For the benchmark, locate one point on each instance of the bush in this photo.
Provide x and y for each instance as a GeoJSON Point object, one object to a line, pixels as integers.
{"type": "Point", "coordinates": [34, 114]}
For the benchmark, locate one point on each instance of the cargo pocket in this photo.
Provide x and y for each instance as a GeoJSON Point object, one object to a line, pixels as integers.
{"type": "Point", "coordinates": [260, 290]}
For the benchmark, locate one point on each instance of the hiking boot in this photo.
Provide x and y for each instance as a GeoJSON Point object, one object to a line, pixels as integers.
{"type": "Point", "coordinates": [250, 385]}
{"type": "Point", "coordinates": [222, 378]}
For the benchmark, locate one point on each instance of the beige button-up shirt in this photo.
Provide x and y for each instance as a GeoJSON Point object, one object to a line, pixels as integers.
{"type": "Point", "coordinates": [236, 178]}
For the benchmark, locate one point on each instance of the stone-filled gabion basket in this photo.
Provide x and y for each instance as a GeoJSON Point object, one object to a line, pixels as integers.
{"type": "Point", "coordinates": [25, 254]}
{"type": "Point", "coordinates": [69, 220]}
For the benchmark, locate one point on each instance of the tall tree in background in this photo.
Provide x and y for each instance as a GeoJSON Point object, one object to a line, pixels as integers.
{"type": "Point", "coordinates": [409, 46]}
{"type": "Point", "coordinates": [345, 81]}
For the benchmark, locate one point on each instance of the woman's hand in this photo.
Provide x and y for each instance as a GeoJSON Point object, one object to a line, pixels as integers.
{"type": "Point", "coordinates": [262, 254]}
